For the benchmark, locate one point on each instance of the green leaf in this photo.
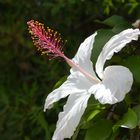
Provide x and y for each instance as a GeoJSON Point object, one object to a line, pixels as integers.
{"type": "Point", "coordinates": [93, 114]}
{"type": "Point", "coordinates": [136, 109]}
{"type": "Point", "coordinates": [114, 20]}
{"type": "Point", "coordinates": [102, 37]}
{"type": "Point", "coordinates": [101, 130]}
{"type": "Point", "coordinates": [133, 63]}
{"type": "Point", "coordinates": [129, 120]}
{"type": "Point", "coordinates": [120, 27]}
{"type": "Point", "coordinates": [134, 5]}
{"type": "Point", "coordinates": [113, 135]}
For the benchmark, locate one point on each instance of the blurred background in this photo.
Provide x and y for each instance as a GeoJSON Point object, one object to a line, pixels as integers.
{"type": "Point", "coordinates": [26, 77]}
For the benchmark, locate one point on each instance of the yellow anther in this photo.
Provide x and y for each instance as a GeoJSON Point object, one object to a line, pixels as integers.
{"type": "Point", "coordinates": [30, 32]}
{"type": "Point", "coordinates": [49, 30]}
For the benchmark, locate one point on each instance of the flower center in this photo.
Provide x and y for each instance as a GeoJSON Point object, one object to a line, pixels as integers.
{"type": "Point", "coordinates": [88, 75]}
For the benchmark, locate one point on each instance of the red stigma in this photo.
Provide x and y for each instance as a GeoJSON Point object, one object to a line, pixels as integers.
{"type": "Point", "coordinates": [47, 41]}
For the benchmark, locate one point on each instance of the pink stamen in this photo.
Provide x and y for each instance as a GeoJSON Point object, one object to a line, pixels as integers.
{"type": "Point", "coordinates": [49, 42]}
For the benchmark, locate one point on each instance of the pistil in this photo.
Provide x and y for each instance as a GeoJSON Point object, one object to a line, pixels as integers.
{"type": "Point", "coordinates": [77, 67]}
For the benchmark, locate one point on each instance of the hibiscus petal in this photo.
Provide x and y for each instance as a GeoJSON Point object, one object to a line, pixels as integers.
{"type": "Point", "coordinates": [82, 57]}
{"type": "Point", "coordinates": [70, 117]}
{"type": "Point", "coordinates": [117, 81]}
{"type": "Point", "coordinates": [114, 45]}
{"type": "Point", "coordinates": [75, 83]}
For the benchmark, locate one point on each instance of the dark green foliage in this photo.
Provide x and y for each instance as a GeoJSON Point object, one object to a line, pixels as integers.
{"type": "Point", "coordinates": [100, 130]}
{"type": "Point", "coordinates": [26, 78]}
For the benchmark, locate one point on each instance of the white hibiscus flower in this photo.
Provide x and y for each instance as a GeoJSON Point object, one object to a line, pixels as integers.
{"type": "Point", "coordinates": [115, 82]}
